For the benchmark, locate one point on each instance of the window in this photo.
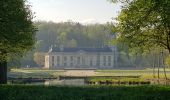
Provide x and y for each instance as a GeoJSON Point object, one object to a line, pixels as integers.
{"type": "Point", "coordinates": [78, 60]}
{"type": "Point", "coordinates": [65, 58]}
{"type": "Point", "coordinates": [65, 64]}
{"type": "Point", "coordinates": [109, 64]}
{"type": "Point", "coordinates": [58, 64]}
{"type": "Point", "coordinates": [58, 58]}
{"type": "Point", "coordinates": [98, 63]}
{"type": "Point", "coordinates": [71, 58]}
{"type": "Point", "coordinates": [104, 58]}
{"type": "Point", "coordinates": [98, 60]}
{"type": "Point", "coordinates": [52, 60]}
{"type": "Point", "coordinates": [109, 58]}
{"type": "Point", "coordinates": [71, 64]}
{"type": "Point", "coordinates": [104, 63]}
{"type": "Point", "coordinates": [91, 62]}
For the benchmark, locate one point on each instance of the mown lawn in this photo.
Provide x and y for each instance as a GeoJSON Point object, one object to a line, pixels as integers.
{"type": "Point", "coordinates": [34, 73]}
{"type": "Point", "coordinates": [31, 92]}
{"type": "Point", "coordinates": [42, 73]}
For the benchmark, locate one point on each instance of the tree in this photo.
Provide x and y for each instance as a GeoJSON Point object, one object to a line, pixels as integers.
{"type": "Point", "coordinates": [62, 39]}
{"type": "Point", "coordinates": [39, 58]}
{"type": "Point", "coordinates": [167, 61]}
{"type": "Point", "coordinates": [145, 24]}
{"type": "Point", "coordinates": [16, 32]}
{"type": "Point", "coordinates": [72, 43]}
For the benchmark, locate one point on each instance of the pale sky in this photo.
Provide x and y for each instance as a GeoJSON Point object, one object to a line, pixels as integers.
{"type": "Point", "coordinates": [83, 11]}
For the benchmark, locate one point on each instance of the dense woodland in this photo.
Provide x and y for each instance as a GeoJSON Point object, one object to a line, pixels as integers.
{"type": "Point", "coordinates": [72, 34]}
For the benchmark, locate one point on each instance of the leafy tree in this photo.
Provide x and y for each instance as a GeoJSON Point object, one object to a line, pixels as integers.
{"type": "Point", "coordinates": [167, 61]}
{"type": "Point", "coordinates": [72, 43]}
{"type": "Point", "coordinates": [62, 39]}
{"type": "Point", "coordinates": [39, 58]}
{"type": "Point", "coordinates": [16, 32]}
{"type": "Point", "coordinates": [145, 24]}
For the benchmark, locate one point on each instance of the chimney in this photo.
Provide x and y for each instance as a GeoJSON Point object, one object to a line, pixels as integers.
{"type": "Point", "coordinates": [50, 48]}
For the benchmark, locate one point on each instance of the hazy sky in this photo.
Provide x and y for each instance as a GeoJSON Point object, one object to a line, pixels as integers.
{"type": "Point", "coordinates": [83, 11]}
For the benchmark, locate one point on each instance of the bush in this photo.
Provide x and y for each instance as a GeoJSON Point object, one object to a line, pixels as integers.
{"type": "Point", "coordinates": [30, 92]}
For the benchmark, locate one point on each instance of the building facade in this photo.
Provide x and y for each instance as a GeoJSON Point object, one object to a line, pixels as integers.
{"type": "Point", "coordinates": [80, 58]}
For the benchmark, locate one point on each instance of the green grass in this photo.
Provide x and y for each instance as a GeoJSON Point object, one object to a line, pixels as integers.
{"type": "Point", "coordinates": [34, 73]}
{"type": "Point", "coordinates": [94, 79]}
{"type": "Point", "coordinates": [145, 74]}
{"type": "Point", "coordinates": [42, 73]}
{"type": "Point", "coordinates": [31, 92]}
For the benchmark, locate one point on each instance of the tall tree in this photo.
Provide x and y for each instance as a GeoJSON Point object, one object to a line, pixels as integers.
{"type": "Point", "coordinates": [16, 32]}
{"type": "Point", "coordinates": [145, 24]}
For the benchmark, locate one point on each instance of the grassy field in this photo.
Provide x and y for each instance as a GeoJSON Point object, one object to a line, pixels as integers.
{"type": "Point", "coordinates": [34, 73]}
{"type": "Point", "coordinates": [92, 92]}
{"type": "Point", "coordinates": [42, 73]}
{"type": "Point", "coordinates": [54, 73]}
{"type": "Point", "coordinates": [31, 92]}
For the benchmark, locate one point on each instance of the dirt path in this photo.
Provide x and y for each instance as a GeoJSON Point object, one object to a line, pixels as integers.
{"type": "Point", "coordinates": [80, 73]}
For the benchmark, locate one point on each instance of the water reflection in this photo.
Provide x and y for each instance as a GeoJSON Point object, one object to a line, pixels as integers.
{"type": "Point", "coordinates": [76, 82]}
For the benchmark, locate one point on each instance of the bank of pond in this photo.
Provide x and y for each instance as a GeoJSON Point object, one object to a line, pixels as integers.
{"type": "Point", "coordinates": [88, 80]}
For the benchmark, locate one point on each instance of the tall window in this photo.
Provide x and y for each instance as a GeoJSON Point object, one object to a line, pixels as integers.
{"type": "Point", "coordinates": [65, 64]}
{"type": "Point", "coordinates": [78, 60]}
{"type": "Point", "coordinates": [98, 60]}
{"type": "Point", "coordinates": [71, 64]}
{"type": "Point", "coordinates": [71, 58]}
{"type": "Point", "coordinates": [58, 60]}
{"type": "Point", "coordinates": [104, 58]}
{"type": "Point", "coordinates": [52, 60]}
{"type": "Point", "coordinates": [91, 62]}
{"type": "Point", "coordinates": [109, 64]}
{"type": "Point", "coordinates": [109, 58]}
{"type": "Point", "coordinates": [65, 58]}
{"type": "Point", "coordinates": [104, 63]}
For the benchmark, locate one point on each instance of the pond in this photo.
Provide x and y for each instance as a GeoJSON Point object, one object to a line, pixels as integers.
{"type": "Point", "coordinates": [81, 81]}
{"type": "Point", "coordinates": [76, 82]}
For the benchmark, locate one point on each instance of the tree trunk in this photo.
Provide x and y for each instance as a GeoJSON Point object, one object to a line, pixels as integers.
{"type": "Point", "coordinates": [165, 72]}
{"type": "Point", "coordinates": [158, 64]}
{"type": "Point", "coordinates": [3, 72]}
{"type": "Point", "coordinates": [164, 66]}
{"type": "Point", "coordinates": [154, 66]}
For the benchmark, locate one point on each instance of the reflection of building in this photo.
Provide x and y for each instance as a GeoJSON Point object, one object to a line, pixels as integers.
{"type": "Point", "coordinates": [80, 58]}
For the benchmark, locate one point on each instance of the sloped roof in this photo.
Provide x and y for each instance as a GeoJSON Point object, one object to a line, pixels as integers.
{"type": "Point", "coordinates": [105, 49]}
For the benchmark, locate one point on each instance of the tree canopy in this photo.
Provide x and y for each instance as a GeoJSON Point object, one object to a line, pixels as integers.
{"type": "Point", "coordinates": [145, 24]}
{"type": "Point", "coordinates": [71, 34]}
{"type": "Point", "coordinates": [16, 28]}
{"type": "Point", "coordinates": [16, 32]}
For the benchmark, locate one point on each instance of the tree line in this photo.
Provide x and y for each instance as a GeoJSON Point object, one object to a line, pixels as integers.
{"type": "Point", "coordinates": [65, 34]}
{"type": "Point", "coordinates": [72, 34]}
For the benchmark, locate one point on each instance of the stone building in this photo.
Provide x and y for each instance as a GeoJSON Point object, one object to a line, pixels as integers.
{"type": "Point", "coordinates": [80, 58]}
